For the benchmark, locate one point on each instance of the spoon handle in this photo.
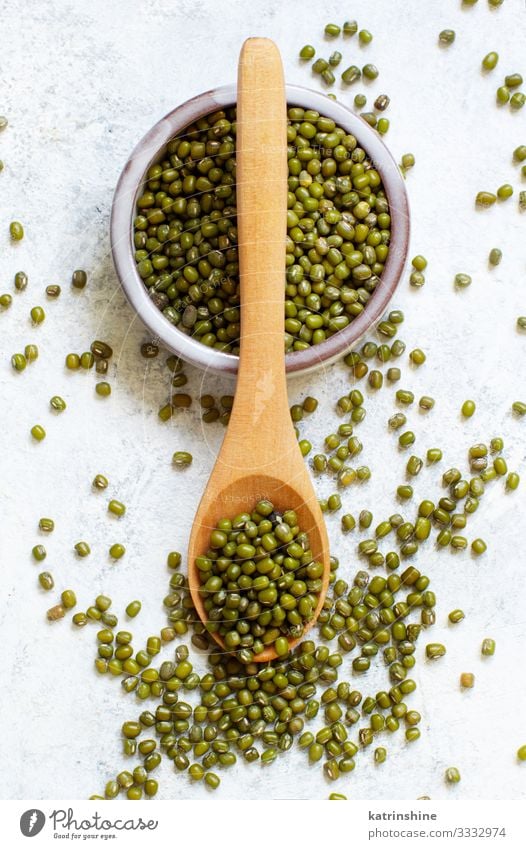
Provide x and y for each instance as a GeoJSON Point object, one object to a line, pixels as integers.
{"type": "Point", "coordinates": [261, 214]}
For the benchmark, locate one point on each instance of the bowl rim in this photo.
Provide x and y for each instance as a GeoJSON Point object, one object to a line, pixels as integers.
{"type": "Point", "coordinates": [123, 211]}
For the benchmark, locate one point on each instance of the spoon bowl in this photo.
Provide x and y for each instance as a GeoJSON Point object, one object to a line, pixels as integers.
{"type": "Point", "coordinates": [236, 497]}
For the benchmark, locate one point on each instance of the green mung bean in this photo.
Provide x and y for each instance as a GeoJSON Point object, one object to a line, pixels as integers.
{"type": "Point", "coordinates": [375, 379]}
{"type": "Point", "coordinates": [16, 231]}
{"type": "Point", "coordinates": [309, 405]}
{"type": "Point", "coordinates": [37, 315]}
{"type": "Point", "coordinates": [365, 519]}
{"type": "Point", "coordinates": [417, 279]}
{"type": "Point", "coordinates": [56, 612]}
{"type": "Point", "coordinates": [19, 362]}
{"type": "Point", "coordinates": [103, 389]}
{"type": "Point", "coordinates": [212, 780]}
{"type": "Point", "coordinates": [328, 76]}
{"type": "Point", "coordinates": [370, 118]}
{"type": "Point", "coordinates": [397, 421]}
{"type": "Point", "coordinates": [414, 465]}
{"type": "Point", "coordinates": [68, 599]}
{"type": "Point", "coordinates": [490, 61]}
{"type": "Point", "coordinates": [505, 191]}
{"type": "Point", "coordinates": [31, 353]}
{"type": "Point", "coordinates": [307, 52]}
{"type": "Point", "coordinates": [495, 256]}
{"type": "Point", "coordinates": [456, 616]}
{"type": "Point", "coordinates": [173, 561]}
{"type": "Point", "coordinates": [21, 281]}
{"type": "Point", "coordinates": [72, 362]}
{"type": "Point", "coordinates": [462, 281]}
{"type": "Point", "coordinates": [57, 403]}
{"type": "Point", "coordinates": [406, 439]}
{"type": "Point", "coordinates": [87, 360]}
{"type": "Point", "coordinates": [351, 74]}
{"type": "Point", "coordinates": [478, 546]}
{"type": "Point", "coordinates": [404, 396]}
{"type": "Point", "coordinates": [79, 278]}
{"type": "Point", "coordinates": [468, 408]}
{"type": "Point", "coordinates": [116, 507]}
{"type": "Point", "coordinates": [485, 199]}
{"type": "Point", "coordinates": [350, 28]}
{"type": "Point", "coordinates": [149, 350]}
{"type": "Point", "coordinates": [39, 552]}
{"type": "Point", "coordinates": [419, 262]}
{"type": "Point", "coordinates": [133, 608]}
{"type": "Point", "coordinates": [435, 650]}
{"type": "Point", "coordinates": [382, 102]}
{"type": "Point", "coordinates": [417, 357]}
{"type": "Point", "coordinates": [45, 579]}
{"type": "Point", "coordinates": [182, 459]}
{"type": "Point", "coordinates": [512, 481]}
{"type": "Point", "coordinates": [488, 647]}
{"type": "Point", "coordinates": [446, 36]}
{"type": "Point", "coordinates": [38, 433]}
{"type": "Point", "coordinates": [101, 350]}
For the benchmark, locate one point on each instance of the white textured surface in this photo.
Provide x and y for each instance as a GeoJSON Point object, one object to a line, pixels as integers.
{"type": "Point", "coordinates": [81, 84]}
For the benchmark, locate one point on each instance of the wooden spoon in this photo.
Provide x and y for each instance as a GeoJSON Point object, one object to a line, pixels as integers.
{"type": "Point", "coordinates": [260, 457]}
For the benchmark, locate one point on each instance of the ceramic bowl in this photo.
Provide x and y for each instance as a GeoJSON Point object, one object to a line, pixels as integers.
{"type": "Point", "coordinates": [151, 149]}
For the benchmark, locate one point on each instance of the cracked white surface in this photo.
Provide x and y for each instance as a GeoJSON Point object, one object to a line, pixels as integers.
{"type": "Point", "coordinates": [81, 84]}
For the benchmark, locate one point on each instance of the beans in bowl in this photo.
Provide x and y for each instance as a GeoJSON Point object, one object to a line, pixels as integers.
{"type": "Point", "coordinates": [338, 231]}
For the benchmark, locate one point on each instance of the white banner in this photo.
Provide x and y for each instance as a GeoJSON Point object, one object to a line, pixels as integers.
{"type": "Point", "coordinates": [354, 824]}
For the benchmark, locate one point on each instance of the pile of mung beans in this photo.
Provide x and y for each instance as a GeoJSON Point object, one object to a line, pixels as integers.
{"type": "Point", "coordinates": [324, 69]}
{"type": "Point", "coordinates": [314, 697]}
{"type": "Point", "coordinates": [259, 581]}
{"type": "Point", "coordinates": [338, 231]}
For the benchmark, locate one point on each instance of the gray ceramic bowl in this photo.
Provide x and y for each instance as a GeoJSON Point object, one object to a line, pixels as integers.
{"type": "Point", "coordinates": [151, 149]}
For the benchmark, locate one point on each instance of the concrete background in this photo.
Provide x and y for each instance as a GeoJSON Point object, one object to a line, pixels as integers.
{"type": "Point", "coordinates": [81, 83]}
